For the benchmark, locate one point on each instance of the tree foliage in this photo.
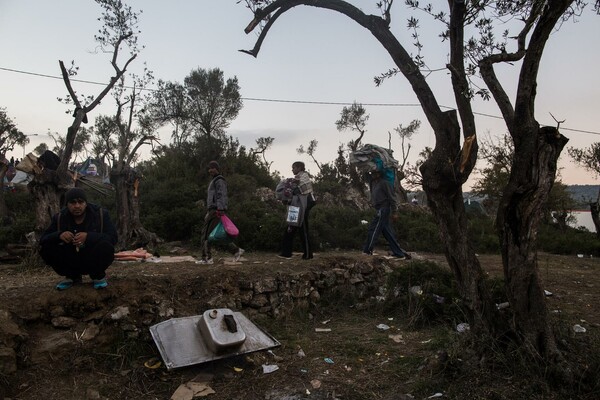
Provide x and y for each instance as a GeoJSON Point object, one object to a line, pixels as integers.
{"type": "Point", "coordinates": [10, 135]}
{"type": "Point", "coordinates": [588, 158]}
{"type": "Point", "coordinates": [204, 105]}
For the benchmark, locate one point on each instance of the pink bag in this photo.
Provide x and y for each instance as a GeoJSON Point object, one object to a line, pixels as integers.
{"type": "Point", "coordinates": [229, 226]}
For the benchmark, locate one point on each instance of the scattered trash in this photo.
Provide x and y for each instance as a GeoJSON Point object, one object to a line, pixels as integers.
{"type": "Point", "coordinates": [438, 299]}
{"type": "Point", "coordinates": [268, 368]}
{"type": "Point", "coordinates": [303, 370]}
{"type": "Point", "coordinates": [153, 363]}
{"type": "Point", "coordinates": [347, 368]}
{"type": "Point", "coordinates": [433, 396]}
{"type": "Point", "coordinates": [391, 319]}
{"type": "Point", "coordinates": [322, 330]}
{"type": "Point", "coordinates": [416, 290]}
{"type": "Point", "coordinates": [216, 334]}
{"type": "Point", "coordinates": [426, 341]}
{"type": "Point", "coordinates": [579, 329]}
{"type": "Point", "coordinates": [315, 383]}
{"type": "Point", "coordinates": [191, 390]}
{"type": "Point", "coordinates": [236, 369]}
{"type": "Point", "coordinates": [547, 293]}
{"type": "Point", "coordinates": [301, 353]}
{"type": "Point", "coordinates": [326, 322]}
{"type": "Point", "coordinates": [383, 327]}
{"type": "Point", "coordinates": [364, 222]}
{"type": "Point", "coordinates": [328, 360]}
{"type": "Point", "coordinates": [580, 255]}
{"type": "Point", "coordinates": [397, 338]}
{"type": "Point", "coordinates": [463, 327]}
{"type": "Point", "coordinates": [119, 313]}
{"type": "Point", "coordinates": [308, 392]}
{"type": "Point", "coordinates": [502, 306]}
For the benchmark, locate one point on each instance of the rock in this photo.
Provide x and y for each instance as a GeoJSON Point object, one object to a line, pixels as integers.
{"type": "Point", "coordinates": [8, 360]}
{"type": "Point", "coordinates": [64, 322]}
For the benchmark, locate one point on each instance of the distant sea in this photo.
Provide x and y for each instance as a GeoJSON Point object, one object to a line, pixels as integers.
{"type": "Point", "coordinates": [584, 218]}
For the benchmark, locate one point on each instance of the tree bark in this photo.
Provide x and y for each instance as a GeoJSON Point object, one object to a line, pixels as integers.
{"type": "Point", "coordinates": [595, 211]}
{"type": "Point", "coordinates": [132, 234]}
{"type": "Point", "coordinates": [518, 218]}
{"type": "Point", "coordinates": [442, 182]}
{"type": "Point", "coordinates": [47, 189]}
{"type": "Point", "coordinates": [3, 207]}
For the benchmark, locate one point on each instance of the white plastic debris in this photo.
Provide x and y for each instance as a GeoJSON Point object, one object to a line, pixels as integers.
{"type": "Point", "coordinates": [435, 396]}
{"type": "Point", "coordinates": [119, 313]}
{"type": "Point", "coordinates": [383, 327]}
{"type": "Point", "coordinates": [502, 306]}
{"type": "Point", "coordinates": [416, 290]}
{"type": "Point", "coordinates": [462, 327]}
{"type": "Point", "coordinates": [579, 329]}
{"type": "Point", "coordinates": [322, 330]}
{"type": "Point", "coordinates": [363, 222]}
{"type": "Point", "coordinates": [547, 293]}
{"type": "Point", "coordinates": [268, 368]}
{"type": "Point", "coordinates": [438, 299]}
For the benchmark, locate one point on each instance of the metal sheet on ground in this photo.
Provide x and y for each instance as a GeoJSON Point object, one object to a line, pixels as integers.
{"type": "Point", "coordinates": [180, 343]}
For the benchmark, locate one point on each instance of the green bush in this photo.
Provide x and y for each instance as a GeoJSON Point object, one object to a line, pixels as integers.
{"type": "Point", "coordinates": [423, 292]}
{"type": "Point", "coordinates": [573, 241]}
{"type": "Point", "coordinates": [21, 218]}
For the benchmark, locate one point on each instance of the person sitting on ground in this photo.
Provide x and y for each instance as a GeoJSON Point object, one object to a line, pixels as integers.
{"type": "Point", "coordinates": [216, 204]}
{"type": "Point", "coordinates": [79, 241]}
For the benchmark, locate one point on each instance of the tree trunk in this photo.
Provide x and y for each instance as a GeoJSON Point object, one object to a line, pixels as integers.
{"type": "Point", "coordinates": [443, 185]}
{"type": "Point", "coordinates": [47, 189]}
{"type": "Point", "coordinates": [402, 195]}
{"type": "Point", "coordinates": [3, 207]}
{"type": "Point", "coordinates": [518, 218]}
{"type": "Point", "coordinates": [595, 211]}
{"type": "Point", "coordinates": [132, 234]}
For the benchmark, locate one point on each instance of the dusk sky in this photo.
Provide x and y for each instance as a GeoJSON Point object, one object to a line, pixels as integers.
{"type": "Point", "coordinates": [310, 55]}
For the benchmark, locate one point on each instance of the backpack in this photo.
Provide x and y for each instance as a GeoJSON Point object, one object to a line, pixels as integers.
{"type": "Point", "coordinates": [285, 190]}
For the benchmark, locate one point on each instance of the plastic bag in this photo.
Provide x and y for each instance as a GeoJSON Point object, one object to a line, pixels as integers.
{"type": "Point", "coordinates": [218, 234]}
{"type": "Point", "coordinates": [229, 226]}
{"type": "Point", "coordinates": [293, 216]}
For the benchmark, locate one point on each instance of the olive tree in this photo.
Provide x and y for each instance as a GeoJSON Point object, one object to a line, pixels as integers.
{"type": "Point", "coordinates": [536, 147]}
{"type": "Point", "coordinates": [121, 137]}
{"type": "Point", "coordinates": [118, 31]}
{"type": "Point", "coordinates": [10, 136]}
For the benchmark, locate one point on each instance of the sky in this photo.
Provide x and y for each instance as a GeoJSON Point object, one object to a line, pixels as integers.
{"type": "Point", "coordinates": [310, 55]}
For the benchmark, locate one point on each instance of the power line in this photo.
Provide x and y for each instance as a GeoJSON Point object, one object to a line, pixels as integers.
{"type": "Point", "coordinates": [330, 103]}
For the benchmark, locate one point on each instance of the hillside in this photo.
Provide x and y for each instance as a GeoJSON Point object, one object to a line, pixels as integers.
{"type": "Point", "coordinates": [583, 194]}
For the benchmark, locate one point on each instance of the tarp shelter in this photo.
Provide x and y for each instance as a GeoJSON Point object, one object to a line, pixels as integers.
{"type": "Point", "coordinates": [90, 166]}
{"type": "Point", "coordinates": [20, 178]}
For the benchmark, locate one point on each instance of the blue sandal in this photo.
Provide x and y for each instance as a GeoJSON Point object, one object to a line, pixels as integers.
{"type": "Point", "coordinates": [64, 285]}
{"type": "Point", "coordinates": [100, 283]}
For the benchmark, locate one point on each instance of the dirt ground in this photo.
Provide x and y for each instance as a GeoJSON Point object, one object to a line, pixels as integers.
{"type": "Point", "coordinates": [59, 357]}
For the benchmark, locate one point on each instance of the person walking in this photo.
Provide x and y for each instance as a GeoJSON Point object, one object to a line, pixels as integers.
{"type": "Point", "coordinates": [383, 200]}
{"type": "Point", "coordinates": [79, 241]}
{"type": "Point", "coordinates": [216, 204]}
{"type": "Point", "coordinates": [303, 188]}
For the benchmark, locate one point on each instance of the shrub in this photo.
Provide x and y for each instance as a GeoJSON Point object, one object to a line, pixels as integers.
{"type": "Point", "coordinates": [424, 292]}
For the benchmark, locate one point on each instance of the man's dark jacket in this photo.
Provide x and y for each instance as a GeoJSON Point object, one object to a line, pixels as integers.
{"type": "Point", "coordinates": [97, 224]}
